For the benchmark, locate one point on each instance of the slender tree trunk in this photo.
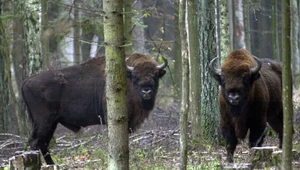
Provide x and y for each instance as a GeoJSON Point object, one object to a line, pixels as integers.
{"type": "Point", "coordinates": [76, 34]}
{"type": "Point", "coordinates": [177, 51]}
{"type": "Point", "coordinates": [287, 87]}
{"type": "Point", "coordinates": [246, 14]}
{"type": "Point", "coordinates": [117, 115]}
{"type": "Point", "coordinates": [128, 26]}
{"type": "Point", "coordinates": [295, 43]}
{"type": "Point", "coordinates": [185, 85]}
{"type": "Point", "coordinates": [45, 36]}
{"type": "Point", "coordinates": [138, 42]}
{"type": "Point", "coordinates": [195, 81]}
{"type": "Point", "coordinates": [4, 75]}
{"type": "Point", "coordinates": [238, 25]}
{"type": "Point", "coordinates": [275, 40]}
{"type": "Point", "coordinates": [224, 29]}
{"type": "Point", "coordinates": [209, 90]}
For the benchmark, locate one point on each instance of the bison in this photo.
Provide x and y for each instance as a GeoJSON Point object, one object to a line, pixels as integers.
{"type": "Point", "coordinates": [249, 98]}
{"type": "Point", "coordinates": [75, 97]}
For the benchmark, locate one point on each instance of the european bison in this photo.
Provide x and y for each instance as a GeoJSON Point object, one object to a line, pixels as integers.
{"type": "Point", "coordinates": [75, 97]}
{"type": "Point", "coordinates": [249, 97]}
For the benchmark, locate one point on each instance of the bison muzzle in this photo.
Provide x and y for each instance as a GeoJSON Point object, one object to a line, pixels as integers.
{"type": "Point", "coordinates": [75, 97]}
{"type": "Point", "coordinates": [249, 98]}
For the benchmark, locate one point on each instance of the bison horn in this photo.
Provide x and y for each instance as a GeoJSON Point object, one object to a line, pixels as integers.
{"type": "Point", "coordinates": [163, 65]}
{"type": "Point", "coordinates": [214, 70]}
{"type": "Point", "coordinates": [129, 68]}
{"type": "Point", "coordinates": [257, 67]}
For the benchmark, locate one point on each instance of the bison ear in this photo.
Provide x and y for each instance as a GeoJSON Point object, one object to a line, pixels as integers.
{"type": "Point", "coordinates": [129, 74]}
{"type": "Point", "coordinates": [161, 73]}
{"type": "Point", "coordinates": [218, 78]}
{"type": "Point", "coordinates": [255, 76]}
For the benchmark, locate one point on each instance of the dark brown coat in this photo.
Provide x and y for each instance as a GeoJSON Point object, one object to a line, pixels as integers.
{"type": "Point", "coordinates": [75, 97]}
{"type": "Point", "coordinates": [249, 97]}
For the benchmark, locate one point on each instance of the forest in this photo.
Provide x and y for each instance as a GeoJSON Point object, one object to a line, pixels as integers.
{"type": "Point", "coordinates": [188, 44]}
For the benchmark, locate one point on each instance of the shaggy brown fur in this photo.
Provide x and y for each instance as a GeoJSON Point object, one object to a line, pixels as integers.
{"type": "Point", "coordinates": [75, 97]}
{"type": "Point", "coordinates": [247, 101]}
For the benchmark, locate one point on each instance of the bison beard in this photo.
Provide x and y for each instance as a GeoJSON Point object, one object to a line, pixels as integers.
{"type": "Point", "coordinates": [249, 98]}
{"type": "Point", "coordinates": [75, 97]}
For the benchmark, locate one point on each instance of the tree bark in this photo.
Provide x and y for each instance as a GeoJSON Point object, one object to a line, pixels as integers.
{"type": "Point", "coordinates": [275, 41]}
{"type": "Point", "coordinates": [195, 81]}
{"type": "Point", "coordinates": [286, 88]}
{"type": "Point", "coordinates": [128, 26]}
{"type": "Point", "coordinates": [185, 85]}
{"type": "Point", "coordinates": [4, 75]}
{"type": "Point", "coordinates": [76, 34]}
{"type": "Point", "coordinates": [117, 115]}
{"type": "Point", "coordinates": [209, 91]}
{"type": "Point", "coordinates": [177, 51]}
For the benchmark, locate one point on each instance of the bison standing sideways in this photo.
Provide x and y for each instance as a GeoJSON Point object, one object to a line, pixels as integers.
{"type": "Point", "coordinates": [75, 97]}
{"type": "Point", "coordinates": [249, 97]}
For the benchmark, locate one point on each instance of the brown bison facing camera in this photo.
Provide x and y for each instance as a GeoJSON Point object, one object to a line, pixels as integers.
{"type": "Point", "coordinates": [249, 97]}
{"type": "Point", "coordinates": [75, 97]}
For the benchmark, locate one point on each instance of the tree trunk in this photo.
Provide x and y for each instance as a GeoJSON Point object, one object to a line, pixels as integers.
{"type": "Point", "coordinates": [286, 88]}
{"type": "Point", "coordinates": [275, 40]}
{"type": "Point", "coordinates": [209, 91]}
{"type": "Point", "coordinates": [138, 42]}
{"type": "Point", "coordinates": [238, 25]}
{"type": "Point", "coordinates": [224, 29]}
{"type": "Point", "coordinates": [246, 14]}
{"type": "Point", "coordinates": [45, 34]}
{"type": "Point", "coordinates": [128, 26]}
{"type": "Point", "coordinates": [185, 85]}
{"type": "Point", "coordinates": [177, 51]}
{"type": "Point", "coordinates": [76, 34]}
{"type": "Point", "coordinates": [295, 44]}
{"type": "Point", "coordinates": [4, 75]}
{"type": "Point", "coordinates": [195, 81]}
{"type": "Point", "coordinates": [117, 115]}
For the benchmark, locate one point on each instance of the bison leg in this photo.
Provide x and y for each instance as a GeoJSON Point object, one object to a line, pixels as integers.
{"type": "Point", "coordinates": [277, 125]}
{"type": "Point", "coordinates": [231, 142]}
{"type": "Point", "coordinates": [257, 135]}
{"type": "Point", "coordinates": [40, 139]}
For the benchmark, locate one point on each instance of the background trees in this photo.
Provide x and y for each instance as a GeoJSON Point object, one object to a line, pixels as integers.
{"type": "Point", "coordinates": [39, 35]}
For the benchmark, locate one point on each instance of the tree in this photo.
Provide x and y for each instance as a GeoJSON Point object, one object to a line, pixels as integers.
{"type": "Point", "coordinates": [185, 85]}
{"type": "Point", "coordinates": [195, 81]}
{"type": "Point", "coordinates": [275, 45]}
{"type": "Point", "coordinates": [237, 25]}
{"type": "Point", "coordinates": [286, 88]}
{"type": "Point", "coordinates": [128, 25]}
{"type": "Point", "coordinates": [76, 33]}
{"type": "Point", "coordinates": [117, 116]}
{"type": "Point", "coordinates": [44, 36]}
{"type": "Point", "coordinates": [224, 37]}
{"type": "Point", "coordinates": [246, 19]}
{"type": "Point", "coordinates": [4, 74]}
{"type": "Point", "coordinates": [209, 91]}
{"type": "Point", "coordinates": [177, 50]}
{"type": "Point", "coordinates": [295, 16]}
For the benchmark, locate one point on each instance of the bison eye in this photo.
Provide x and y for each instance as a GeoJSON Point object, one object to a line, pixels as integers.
{"type": "Point", "coordinates": [222, 82]}
{"type": "Point", "coordinates": [246, 80]}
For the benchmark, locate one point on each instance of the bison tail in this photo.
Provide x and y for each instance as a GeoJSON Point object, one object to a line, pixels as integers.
{"type": "Point", "coordinates": [25, 101]}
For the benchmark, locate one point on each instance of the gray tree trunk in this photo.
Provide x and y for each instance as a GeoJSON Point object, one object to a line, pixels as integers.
{"type": "Point", "coordinates": [177, 51]}
{"type": "Point", "coordinates": [224, 29]}
{"type": "Point", "coordinates": [287, 88]}
{"type": "Point", "coordinates": [117, 116]}
{"type": "Point", "coordinates": [128, 26]}
{"type": "Point", "coordinates": [195, 81]}
{"type": "Point", "coordinates": [295, 43]}
{"type": "Point", "coordinates": [138, 42]}
{"type": "Point", "coordinates": [275, 41]}
{"type": "Point", "coordinates": [185, 85]}
{"type": "Point", "coordinates": [4, 75]}
{"type": "Point", "coordinates": [76, 34]}
{"type": "Point", "coordinates": [209, 91]}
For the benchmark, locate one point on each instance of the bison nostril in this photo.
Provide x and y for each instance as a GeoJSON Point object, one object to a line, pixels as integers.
{"type": "Point", "coordinates": [146, 90]}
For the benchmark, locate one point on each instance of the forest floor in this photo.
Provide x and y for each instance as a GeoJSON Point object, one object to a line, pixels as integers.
{"type": "Point", "coordinates": [154, 146]}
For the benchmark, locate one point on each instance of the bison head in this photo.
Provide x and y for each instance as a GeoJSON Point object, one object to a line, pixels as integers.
{"type": "Point", "coordinates": [145, 73]}
{"type": "Point", "coordinates": [236, 77]}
